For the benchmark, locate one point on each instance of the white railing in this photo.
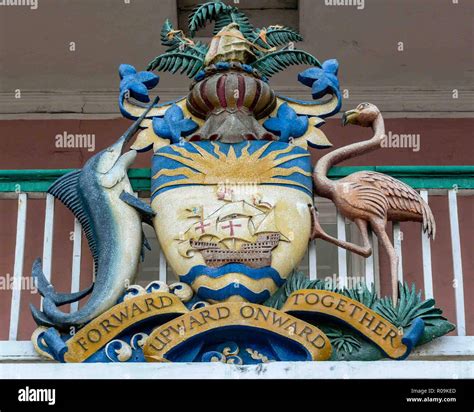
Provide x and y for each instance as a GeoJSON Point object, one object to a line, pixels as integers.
{"type": "Point", "coordinates": [445, 348]}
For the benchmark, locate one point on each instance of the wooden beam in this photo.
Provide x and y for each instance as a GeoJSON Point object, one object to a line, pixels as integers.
{"type": "Point", "coordinates": [397, 244]}
{"type": "Point", "coordinates": [76, 262]}
{"type": "Point", "coordinates": [18, 266]}
{"type": "Point", "coordinates": [341, 252]}
{"type": "Point", "coordinates": [48, 238]}
{"type": "Point", "coordinates": [426, 251]}
{"type": "Point", "coordinates": [312, 261]}
{"type": "Point", "coordinates": [458, 283]}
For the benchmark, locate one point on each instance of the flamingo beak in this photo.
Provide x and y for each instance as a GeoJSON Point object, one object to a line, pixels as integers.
{"type": "Point", "coordinates": [350, 117]}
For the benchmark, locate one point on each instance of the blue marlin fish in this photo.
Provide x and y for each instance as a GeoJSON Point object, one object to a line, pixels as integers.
{"type": "Point", "coordinates": [101, 198]}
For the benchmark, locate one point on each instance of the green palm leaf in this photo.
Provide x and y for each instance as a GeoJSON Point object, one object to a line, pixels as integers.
{"type": "Point", "coordinates": [173, 61]}
{"type": "Point", "coordinates": [221, 14]}
{"type": "Point", "coordinates": [234, 16]}
{"type": "Point", "coordinates": [276, 36]}
{"type": "Point", "coordinates": [296, 281]}
{"type": "Point", "coordinates": [343, 342]}
{"type": "Point", "coordinates": [165, 39]}
{"type": "Point", "coordinates": [274, 62]}
{"type": "Point", "coordinates": [206, 12]}
{"type": "Point", "coordinates": [410, 307]}
{"type": "Point", "coordinates": [362, 294]}
{"type": "Point", "coordinates": [175, 39]}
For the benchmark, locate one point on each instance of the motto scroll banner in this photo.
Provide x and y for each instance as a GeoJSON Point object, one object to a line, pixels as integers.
{"type": "Point", "coordinates": [374, 327]}
{"type": "Point", "coordinates": [214, 319]}
{"type": "Point", "coordinates": [112, 323]}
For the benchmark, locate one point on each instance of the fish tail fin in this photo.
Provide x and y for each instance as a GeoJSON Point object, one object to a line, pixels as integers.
{"type": "Point", "coordinates": [46, 289]}
{"type": "Point", "coordinates": [39, 317]}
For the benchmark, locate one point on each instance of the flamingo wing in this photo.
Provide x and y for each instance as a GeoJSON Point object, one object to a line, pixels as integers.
{"type": "Point", "coordinates": [365, 198]}
{"type": "Point", "coordinates": [400, 197]}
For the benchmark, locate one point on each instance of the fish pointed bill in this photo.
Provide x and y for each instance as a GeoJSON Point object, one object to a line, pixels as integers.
{"type": "Point", "coordinates": [136, 125]}
{"type": "Point", "coordinates": [113, 153]}
{"type": "Point", "coordinates": [349, 116]}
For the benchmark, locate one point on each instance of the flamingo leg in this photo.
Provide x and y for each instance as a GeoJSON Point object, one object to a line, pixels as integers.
{"type": "Point", "coordinates": [363, 228]}
{"type": "Point", "coordinates": [319, 233]}
{"type": "Point", "coordinates": [379, 229]}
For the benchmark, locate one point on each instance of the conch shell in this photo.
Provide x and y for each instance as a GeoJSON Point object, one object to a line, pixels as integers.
{"type": "Point", "coordinates": [229, 45]}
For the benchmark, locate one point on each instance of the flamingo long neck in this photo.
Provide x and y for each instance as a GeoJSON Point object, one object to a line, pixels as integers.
{"type": "Point", "coordinates": [323, 185]}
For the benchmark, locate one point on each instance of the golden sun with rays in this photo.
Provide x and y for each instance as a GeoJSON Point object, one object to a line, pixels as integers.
{"type": "Point", "coordinates": [209, 169]}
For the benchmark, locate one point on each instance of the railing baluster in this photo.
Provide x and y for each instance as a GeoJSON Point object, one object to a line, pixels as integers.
{"type": "Point", "coordinates": [18, 266]}
{"type": "Point", "coordinates": [369, 265]}
{"type": "Point", "coordinates": [426, 250]}
{"type": "Point", "coordinates": [375, 253]}
{"type": "Point", "coordinates": [48, 237]}
{"type": "Point", "coordinates": [312, 261]}
{"type": "Point", "coordinates": [397, 244]}
{"type": "Point", "coordinates": [341, 253]}
{"type": "Point", "coordinates": [457, 262]}
{"type": "Point", "coordinates": [76, 262]}
{"type": "Point", "coordinates": [162, 268]}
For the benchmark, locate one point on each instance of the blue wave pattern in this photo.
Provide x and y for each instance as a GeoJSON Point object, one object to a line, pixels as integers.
{"type": "Point", "coordinates": [233, 289]}
{"type": "Point", "coordinates": [266, 272]}
{"type": "Point", "coordinates": [304, 163]}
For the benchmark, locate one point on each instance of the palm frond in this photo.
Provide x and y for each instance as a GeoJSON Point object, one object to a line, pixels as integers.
{"type": "Point", "coordinates": [221, 14]}
{"type": "Point", "coordinates": [166, 40]}
{"type": "Point", "coordinates": [274, 62]}
{"type": "Point", "coordinates": [410, 306]}
{"type": "Point", "coordinates": [362, 294]}
{"type": "Point", "coordinates": [234, 15]}
{"type": "Point", "coordinates": [275, 36]}
{"type": "Point", "coordinates": [173, 61]}
{"type": "Point", "coordinates": [343, 342]}
{"type": "Point", "coordinates": [296, 281]}
{"type": "Point", "coordinates": [204, 13]}
{"type": "Point", "coordinates": [175, 39]}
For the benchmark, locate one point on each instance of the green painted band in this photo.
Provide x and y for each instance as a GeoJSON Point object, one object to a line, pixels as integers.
{"type": "Point", "coordinates": [419, 177]}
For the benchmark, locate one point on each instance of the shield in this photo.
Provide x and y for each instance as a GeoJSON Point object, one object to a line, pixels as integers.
{"type": "Point", "coordinates": [232, 220]}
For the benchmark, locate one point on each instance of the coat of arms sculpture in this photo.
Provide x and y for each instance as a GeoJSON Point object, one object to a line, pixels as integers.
{"type": "Point", "coordinates": [232, 206]}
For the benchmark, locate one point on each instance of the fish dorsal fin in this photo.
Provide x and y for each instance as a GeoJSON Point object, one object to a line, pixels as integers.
{"type": "Point", "coordinates": [65, 190]}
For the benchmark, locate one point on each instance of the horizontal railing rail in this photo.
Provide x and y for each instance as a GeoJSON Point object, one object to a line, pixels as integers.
{"type": "Point", "coordinates": [449, 181]}
{"type": "Point", "coordinates": [419, 177]}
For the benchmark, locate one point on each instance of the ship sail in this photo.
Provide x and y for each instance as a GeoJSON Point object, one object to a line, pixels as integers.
{"type": "Point", "coordinates": [235, 229]}
{"type": "Point", "coordinates": [268, 225]}
{"type": "Point", "coordinates": [241, 208]}
{"type": "Point", "coordinates": [204, 228]}
{"type": "Point", "coordinates": [255, 222]}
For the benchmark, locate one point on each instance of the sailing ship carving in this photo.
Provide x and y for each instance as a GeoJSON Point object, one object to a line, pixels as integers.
{"type": "Point", "coordinates": [237, 232]}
